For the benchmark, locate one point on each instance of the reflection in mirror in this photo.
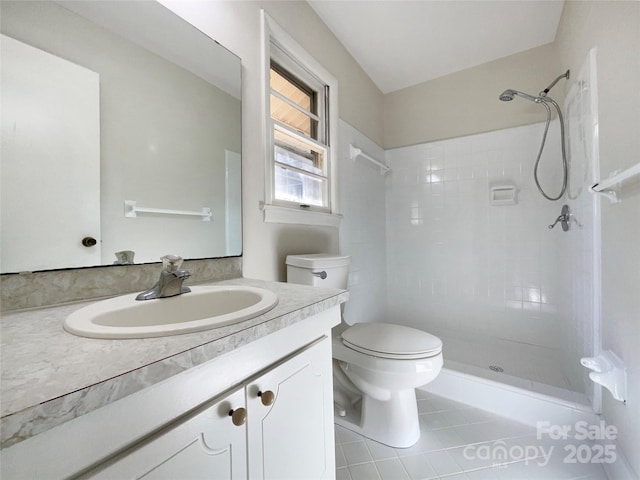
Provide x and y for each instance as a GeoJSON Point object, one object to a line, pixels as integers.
{"type": "Point", "coordinates": [121, 137]}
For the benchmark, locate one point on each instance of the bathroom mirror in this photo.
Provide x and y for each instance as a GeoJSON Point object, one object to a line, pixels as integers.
{"type": "Point", "coordinates": [121, 137]}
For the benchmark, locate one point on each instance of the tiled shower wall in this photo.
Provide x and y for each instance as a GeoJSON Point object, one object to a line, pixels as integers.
{"type": "Point", "coordinates": [431, 251]}
{"type": "Point", "coordinates": [458, 265]}
{"type": "Point", "coordinates": [581, 250]}
{"type": "Point", "coordinates": [362, 235]}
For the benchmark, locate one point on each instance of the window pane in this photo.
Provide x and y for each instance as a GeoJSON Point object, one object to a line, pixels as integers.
{"type": "Point", "coordinates": [295, 93]}
{"type": "Point", "coordinates": [297, 187]}
{"type": "Point", "coordinates": [298, 93]}
{"type": "Point", "coordinates": [286, 114]}
{"type": "Point", "coordinates": [298, 154]}
{"type": "Point", "coordinates": [287, 157]}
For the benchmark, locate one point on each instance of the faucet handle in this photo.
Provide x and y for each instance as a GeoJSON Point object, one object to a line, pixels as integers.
{"type": "Point", "coordinates": [564, 218]}
{"type": "Point", "coordinates": [171, 263]}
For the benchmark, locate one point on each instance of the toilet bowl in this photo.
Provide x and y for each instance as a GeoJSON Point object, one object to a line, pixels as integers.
{"type": "Point", "coordinates": [377, 366]}
{"type": "Point", "coordinates": [385, 363]}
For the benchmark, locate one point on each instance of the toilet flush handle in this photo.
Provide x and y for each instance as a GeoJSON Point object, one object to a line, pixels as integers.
{"type": "Point", "coordinates": [321, 274]}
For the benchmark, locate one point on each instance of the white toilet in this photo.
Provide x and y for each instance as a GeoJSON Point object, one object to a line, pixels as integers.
{"type": "Point", "coordinates": [377, 366]}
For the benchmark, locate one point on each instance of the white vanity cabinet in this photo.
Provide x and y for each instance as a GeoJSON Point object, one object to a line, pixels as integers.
{"type": "Point", "coordinates": [273, 427]}
{"type": "Point", "coordinates": [180, 428]}
{"type": "Point", "coordinates": [290, 419]}
{"type": "Point", "coordinates": [206, 444]}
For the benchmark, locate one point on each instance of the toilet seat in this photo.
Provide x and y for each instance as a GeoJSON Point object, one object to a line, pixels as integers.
{"type": "Point", "coordinates": [386, 340]}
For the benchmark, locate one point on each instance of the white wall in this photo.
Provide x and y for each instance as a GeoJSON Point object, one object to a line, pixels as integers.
{"type": "Point", "coordinates": [466, 102]}
{"type": "Point", "coordinates": [236, 25]}
{"type": "Point", "coordinates": [612, 27]}
{"type": "Point", "coordinates": [362, 235]}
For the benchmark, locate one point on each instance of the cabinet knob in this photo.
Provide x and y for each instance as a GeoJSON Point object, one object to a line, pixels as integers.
{"type": "Point", "coordinates": [238, 416]}
{"type": "Point", "coordinates": [89, 242]}
{"type": "Point", "coordinates": [267, 398]}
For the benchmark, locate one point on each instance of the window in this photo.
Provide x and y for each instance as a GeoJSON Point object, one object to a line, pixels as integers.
{"type": "Point", "coordinates": [300, 118]}
{"type": "Point", "coordinates": [300, 159]}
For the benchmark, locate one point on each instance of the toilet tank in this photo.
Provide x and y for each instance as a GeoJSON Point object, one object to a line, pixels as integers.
{"type": "Point", "coordinates": [319, 270]}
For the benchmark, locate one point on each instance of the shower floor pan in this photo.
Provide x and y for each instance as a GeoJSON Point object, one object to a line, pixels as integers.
{"type": "Point", "coordinates": [538, 369]}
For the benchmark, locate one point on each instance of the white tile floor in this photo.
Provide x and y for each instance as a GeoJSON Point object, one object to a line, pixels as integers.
{"type": "Point", "coordinates": [458, 443]}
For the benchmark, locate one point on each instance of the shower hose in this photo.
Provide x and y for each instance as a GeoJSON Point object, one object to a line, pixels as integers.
{"type": "Point", "coordinates": [544, 101]}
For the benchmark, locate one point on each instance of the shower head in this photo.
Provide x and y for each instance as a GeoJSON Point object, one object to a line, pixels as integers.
{"type": "Point", "coordinates": [509, 94]}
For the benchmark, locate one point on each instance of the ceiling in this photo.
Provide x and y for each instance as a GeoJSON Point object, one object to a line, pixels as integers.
{"type": "Point", "coordinates": [402, 43]}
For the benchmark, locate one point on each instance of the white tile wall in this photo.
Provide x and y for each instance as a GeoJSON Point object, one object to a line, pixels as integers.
{"type": "Point", "coordinates": [362, 235]}
{"type": "Point", "coordinates": [582, 272]}
{"type": "Point", "coordinates": [467, 270]}
{"type": "Point", "coordinates": [457, 263]}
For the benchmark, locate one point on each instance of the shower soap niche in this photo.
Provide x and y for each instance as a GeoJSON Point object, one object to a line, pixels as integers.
{"type": "Point", "coordinates": [503, 195]}
{"type": "Point", "coordinates": [608, 371]}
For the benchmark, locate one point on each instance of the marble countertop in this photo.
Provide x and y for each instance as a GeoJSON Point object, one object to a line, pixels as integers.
{"type": "Point", "coordinates": [50, 376]}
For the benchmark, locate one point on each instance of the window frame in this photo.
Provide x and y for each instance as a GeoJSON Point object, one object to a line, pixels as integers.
{"type": "Point", "coordinates": [280, 47]}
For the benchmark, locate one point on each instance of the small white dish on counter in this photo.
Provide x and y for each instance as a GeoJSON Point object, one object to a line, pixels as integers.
{"type": "Point", "coordinates": [203, 308]}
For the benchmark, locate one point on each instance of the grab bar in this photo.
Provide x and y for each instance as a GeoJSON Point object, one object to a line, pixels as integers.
{"type": "Point", "coordinates": [610, 187]}
{"type": "Point", "coordinates": [355, 152]}
{"type": "Point", "coordinates": [131, 210]}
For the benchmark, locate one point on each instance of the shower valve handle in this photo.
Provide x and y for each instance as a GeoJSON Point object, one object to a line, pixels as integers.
{"type": "Point", "coordinates": [559, 219]}
{"type": "Point", "coordinates": [564, 219]}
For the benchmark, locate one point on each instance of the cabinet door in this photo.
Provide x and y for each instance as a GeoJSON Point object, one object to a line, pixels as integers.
{"type": "Point", "coordinates": [206, 445]}
{"type": "Point", "coordinates": [292, 436]}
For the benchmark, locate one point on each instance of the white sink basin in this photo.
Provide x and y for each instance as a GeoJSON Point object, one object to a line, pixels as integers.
{"type": "Point", "coordinates": [203, 308]}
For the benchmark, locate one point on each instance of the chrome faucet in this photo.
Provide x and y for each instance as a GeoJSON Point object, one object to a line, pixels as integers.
{"type": "Point", "coordinates": [170, 282]}
{"type": "Point", "coordinates": [564, 219]}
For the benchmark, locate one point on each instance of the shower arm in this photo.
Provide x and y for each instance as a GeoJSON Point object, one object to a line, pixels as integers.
{"type": "Point", "coordinates": [544, 92]}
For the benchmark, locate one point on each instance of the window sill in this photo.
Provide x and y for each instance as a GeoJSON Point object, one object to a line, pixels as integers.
{"type": "Point", "coordinates": [275, 214]}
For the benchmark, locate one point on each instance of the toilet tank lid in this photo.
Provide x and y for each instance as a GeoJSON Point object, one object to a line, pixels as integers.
{"type": "Point", "coordinates": [388, 338]}
{"type": "Point", "coordinates": [318, 260]}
